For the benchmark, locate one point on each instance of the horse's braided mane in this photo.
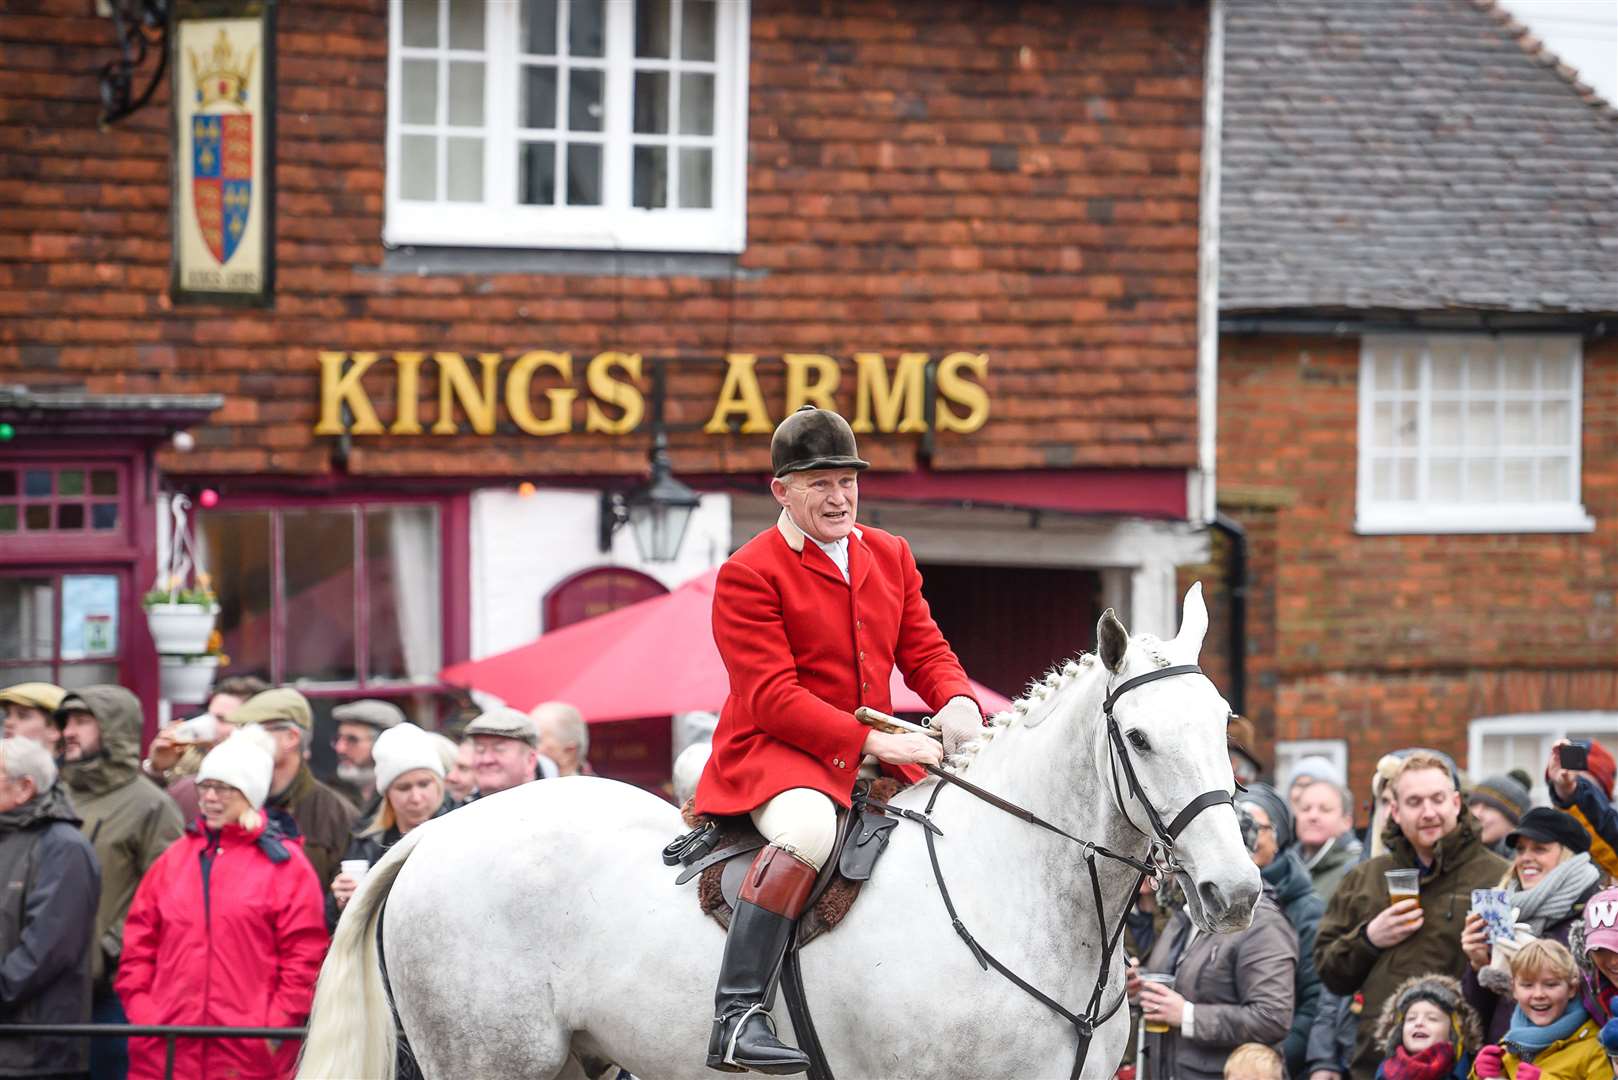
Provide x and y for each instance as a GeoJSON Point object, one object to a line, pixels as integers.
{"type": "Point", "coordinates": [1038, 693]}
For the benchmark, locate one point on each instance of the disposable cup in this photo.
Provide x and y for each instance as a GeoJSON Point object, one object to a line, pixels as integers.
{"type": "Point", "coordinates": [1403, 884]}
{"type": "Point", "coordinates": [1157, 1027]}
{"type": "Point", "coordinates": [355, 868]}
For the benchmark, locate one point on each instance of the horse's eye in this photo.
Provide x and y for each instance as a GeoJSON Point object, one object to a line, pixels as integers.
{"type": "Point", "coordinates": [1138, 740]}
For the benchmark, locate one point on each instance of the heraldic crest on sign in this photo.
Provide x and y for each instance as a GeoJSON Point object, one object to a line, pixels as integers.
{"type": "Point", "coordinates": [222, 145]}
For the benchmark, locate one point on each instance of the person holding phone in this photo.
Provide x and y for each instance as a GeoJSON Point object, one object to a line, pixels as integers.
{"type": "Point", "coordinates": [1550, 879]}
{"type": "Point", "coordinates": [1580, 776]}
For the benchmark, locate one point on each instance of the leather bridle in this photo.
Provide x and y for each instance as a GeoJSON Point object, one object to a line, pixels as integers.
{"type": "Point", "coordinates": [1160, 862]}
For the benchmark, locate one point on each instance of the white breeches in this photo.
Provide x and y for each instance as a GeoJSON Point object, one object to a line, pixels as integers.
{"type": "Point", "coordinates": [803, 821]}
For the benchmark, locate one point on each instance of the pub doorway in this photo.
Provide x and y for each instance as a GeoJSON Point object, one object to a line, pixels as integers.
{"type": "Point", "coordinates": [1011, 624]}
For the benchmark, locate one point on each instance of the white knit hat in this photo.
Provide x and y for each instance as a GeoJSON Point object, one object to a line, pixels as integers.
{"type": "Point", "coordinates": [402, 748]}
{"type": "Point", "coordinates": [245, 761]}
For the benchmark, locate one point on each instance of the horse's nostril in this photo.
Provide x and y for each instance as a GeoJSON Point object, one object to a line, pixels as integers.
{"type": "Point", "coordinates": [1213, 899]}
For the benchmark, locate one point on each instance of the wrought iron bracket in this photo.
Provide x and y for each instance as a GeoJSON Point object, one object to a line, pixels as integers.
{"type": "Point", "coordinates": [140, 27]}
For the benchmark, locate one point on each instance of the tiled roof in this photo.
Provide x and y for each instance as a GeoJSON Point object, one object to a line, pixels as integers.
{"type": "Point", "coordinates": [1410, 156]}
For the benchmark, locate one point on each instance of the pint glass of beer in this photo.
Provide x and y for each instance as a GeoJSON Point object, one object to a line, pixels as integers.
{"type": "Point", "coordinates": [1156, 1027]}
{"type": "Point", "coordinates": [1403, 884]}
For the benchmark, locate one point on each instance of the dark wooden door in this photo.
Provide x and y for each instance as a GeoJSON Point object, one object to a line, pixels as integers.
{"type": "Point", "coordinates": [1012, 624]}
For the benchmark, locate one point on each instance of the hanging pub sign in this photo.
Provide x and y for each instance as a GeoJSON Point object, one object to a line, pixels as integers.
{"type": "Point", "coordinates": [224, 200]}
{"type": "Point", "coordinates": [535, 393]}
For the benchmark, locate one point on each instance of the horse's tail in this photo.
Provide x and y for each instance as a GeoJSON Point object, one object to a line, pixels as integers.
{"type": "Point", "coordinates": [351, 1022]}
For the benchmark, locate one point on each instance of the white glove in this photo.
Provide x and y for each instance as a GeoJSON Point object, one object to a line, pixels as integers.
{"type": "Point", "coordinates": [960, 721]}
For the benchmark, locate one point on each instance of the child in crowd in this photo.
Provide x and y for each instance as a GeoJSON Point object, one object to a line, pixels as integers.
{"type": "Point", "coordinates": [1255, 1061]}
{"type": "Point", "coordinates": [1551, 1036]}
{"type": "Point", "coordinates": [1427, 1031]}
{"type": "Point", "coordinates": [1593, 941]}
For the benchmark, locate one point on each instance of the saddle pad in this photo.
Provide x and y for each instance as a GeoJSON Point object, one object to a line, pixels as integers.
{"type": "Point", "coordinates": [828, 909]}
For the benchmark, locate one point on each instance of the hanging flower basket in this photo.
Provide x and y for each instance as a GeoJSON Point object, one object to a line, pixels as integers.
{"type": "Point", "coordinates": [181, 621]}
{"type": "Point", "coordinates": [186, 679]}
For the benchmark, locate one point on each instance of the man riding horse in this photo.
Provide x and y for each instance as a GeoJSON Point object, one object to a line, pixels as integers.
{"type": "Point", "coordinates": [810, 616]}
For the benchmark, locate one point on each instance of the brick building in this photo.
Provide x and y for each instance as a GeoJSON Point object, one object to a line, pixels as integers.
{"type": "Point", "coordinates": [971, 226]}
{"type": "Point", "coordinates": [1418, 382]}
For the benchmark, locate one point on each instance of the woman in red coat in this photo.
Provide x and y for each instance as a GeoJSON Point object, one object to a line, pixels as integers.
{"type": "Point", "coordinates": [811, 617]}
{"type": "Point", "coordinates": [226, 928]}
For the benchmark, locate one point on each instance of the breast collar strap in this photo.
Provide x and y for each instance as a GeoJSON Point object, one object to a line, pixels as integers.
{"type": "Point", "coordinates": [1163, 836]}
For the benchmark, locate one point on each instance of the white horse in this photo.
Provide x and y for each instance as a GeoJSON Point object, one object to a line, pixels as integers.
{"type": "Point", "coordinates": [537, 933]}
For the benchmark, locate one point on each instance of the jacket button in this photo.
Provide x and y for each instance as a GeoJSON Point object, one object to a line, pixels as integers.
{"type": "Point", "coordinates": [865, 686]}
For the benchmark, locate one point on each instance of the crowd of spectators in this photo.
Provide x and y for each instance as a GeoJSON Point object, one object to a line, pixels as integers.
{"type": "Point", "coordinates": [199, 884]}
{"type": "Point", "coordinates": [1466, 933]}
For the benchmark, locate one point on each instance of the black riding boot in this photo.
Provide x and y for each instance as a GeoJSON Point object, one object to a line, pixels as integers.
{"type": "Point", "coordinates": [772, 898]}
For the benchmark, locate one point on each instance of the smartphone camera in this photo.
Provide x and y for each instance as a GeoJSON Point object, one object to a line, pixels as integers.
{"type": "Point", "coordinates": [1574, 756]}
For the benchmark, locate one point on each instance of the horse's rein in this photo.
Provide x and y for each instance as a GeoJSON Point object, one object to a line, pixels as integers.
{"type": "Point", "coordinates": [1160, 862]}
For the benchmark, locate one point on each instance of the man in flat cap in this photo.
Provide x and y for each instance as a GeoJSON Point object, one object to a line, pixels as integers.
{"type": "Point", "coordinates": [29, 711]}
{"type": "Point", "coordinates": [358, 725]}
{"type": "Point", "coordinates": [811, 617]}
{"type": "Point", "coordinates": [505, 751]}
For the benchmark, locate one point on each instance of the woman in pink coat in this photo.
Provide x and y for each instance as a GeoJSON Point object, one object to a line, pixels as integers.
{"type": "Point", "coordinates": [227, 928]}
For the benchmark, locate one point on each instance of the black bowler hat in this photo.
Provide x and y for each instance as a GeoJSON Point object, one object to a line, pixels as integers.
{"type": "Point", "coordinates": [814, 438]}
{"type": "Point", "coordinates": [1550, 826]}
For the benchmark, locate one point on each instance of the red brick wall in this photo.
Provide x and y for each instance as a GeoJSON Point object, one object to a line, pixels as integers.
{"type": "Point", "coordinates": [1393, 640]}
{"type": "Point", "coordinates": [1016, 179]}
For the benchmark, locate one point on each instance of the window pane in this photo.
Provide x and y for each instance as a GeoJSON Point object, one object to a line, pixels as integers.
{"type": "Point", "coordinates": [420, 79]}
{"type": "Point", "coordinates": [466, 24]}
{"type": "Point", "coordinates": [70, 482]}
{"type": "Point", "coordinates": [418, 167]}
{"type": "Point", "coordinates": [586, 34]}
{"type": "Point", "coordinates": [318, 570]}
{"type": "Point", "coordinates": [465, 94]}
{"type": "Point", "coordinates": [1382, 480]}
{"type": "Point", "coordinates": [1518, 355]}
{"type": "Point", "coordinates": [538, 97]}
{"type": "Point", "coordinates": [104, 516]}
{"type": "Point", "coordinates": [8, 482]}
{"type": "Point", "coordinates": [1484, 372]}
{"type": "Point", "coordinates": [1409, 424]}
{"type": "Point", "coordinates": [1556, 371]}
{"type": "Point", "coordinates": [402, 567]}
{"type": "Point", "coordinates": [1410, 373]}
{"type": "Point", "coordinates": [465, 180]}
{"type": "Point", "coordinates": [70, 516]}
{"type": "Point", "coordinates": [651, 177]}
{"type": "Point", "coordinates": [1446, 419]}
{"type": "Point", "coordinates": [539, 26]}
{"type": "Point", "coordinates": [8, 519]}
{"type": "Point", "coordinates": [696, 104]}
{"type": "Point", "coordinates": [37, 518]}
{"type": "Point", "coordinates": [1382, 424]}
{"type": "Point", "coordinates": [583, 174]}
{"type": "Point", "coordinates": [1444, 481]}
{"type": "Point", "coordinates": [1482, 424]}
{"type": "Point", "coordinates": [652, 28]}
{"type": "Point", "coordinates": [1555, 423]}
{"type": "Point", "coordinates": [104, 482]}
{"type": "Point", "coordinates": [696, 178]}
{"type": "Point", "coordinates": [89, 616]}
{"type": "Point", "coordinates": [1407, 480]}
{"type": "Point", "coordinates": [236, 549]}
{"type": "Point", "coordinates": [37, 483]}
{"type": "Point", "coordinates": [1517, 485]}
{"type": "Point", "coordinates": [585, 108]}
{"type": "Point", "coordinates": [27, 615]}
{"type": "Point", "coordinates": [1480, 483]}
{"type": "Point", "coordinates": [651, 102]}
{"type": "Point", "coordinates": [697, 30]}
{"type": "Point", "coordinates": [1553, 480]}
{"type": "Point", "coordinates": [1448, 362]}
{"type": "Point", "coordinates": [1519, 423]}
{"type": "Point", "coordinates": [420, 23]}
{"type": "Point", "coordinates": [536, 179]}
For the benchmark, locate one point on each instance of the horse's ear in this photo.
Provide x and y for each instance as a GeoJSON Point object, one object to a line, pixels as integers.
{"type": "Point", "coordinates": [1193, 622]}
{"type": "Point", "coordinates": [1112, 640]}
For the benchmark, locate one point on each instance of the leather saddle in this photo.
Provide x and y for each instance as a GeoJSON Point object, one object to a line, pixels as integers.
{"type": "Point", "coordinates": [719, 851]}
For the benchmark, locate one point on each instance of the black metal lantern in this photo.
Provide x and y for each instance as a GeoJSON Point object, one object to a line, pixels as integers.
{"type": "Point", "coordinates": [659, 511]}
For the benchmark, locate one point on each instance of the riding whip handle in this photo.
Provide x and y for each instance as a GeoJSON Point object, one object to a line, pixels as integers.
{"type": "Point", "coordinates": [881, 721]}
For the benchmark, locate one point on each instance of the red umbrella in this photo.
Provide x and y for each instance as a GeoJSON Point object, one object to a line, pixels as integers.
{"type": "Point", "coordinates": [653, 658]}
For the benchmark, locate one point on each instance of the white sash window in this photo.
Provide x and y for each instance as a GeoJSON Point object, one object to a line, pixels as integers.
{"type": "Point", "coordinates": [603, 124]}
{"type": "Point", "coordinates": [1470, 433]}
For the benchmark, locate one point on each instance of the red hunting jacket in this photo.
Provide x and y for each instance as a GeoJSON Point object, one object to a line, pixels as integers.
{"type": "Point", "coordinates": [805, 649]}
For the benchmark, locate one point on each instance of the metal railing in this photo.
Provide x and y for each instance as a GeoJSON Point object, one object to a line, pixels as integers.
{"type": "Point", "coordinates": [169, 1033]}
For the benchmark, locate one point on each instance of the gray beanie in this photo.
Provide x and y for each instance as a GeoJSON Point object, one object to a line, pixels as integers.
{"type": "Point", "coordinates": [1505, 794]}
{"type": "Point", "coordinates": [1275, 808]}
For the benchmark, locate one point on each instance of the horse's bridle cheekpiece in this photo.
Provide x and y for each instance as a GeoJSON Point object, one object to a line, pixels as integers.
{"type": "Point", "coordinates": [1159, 863]}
